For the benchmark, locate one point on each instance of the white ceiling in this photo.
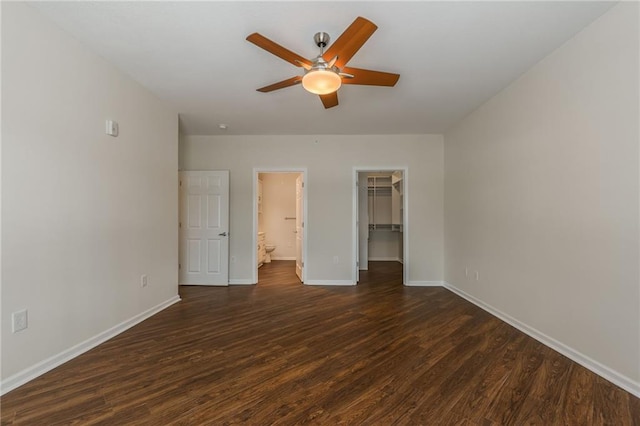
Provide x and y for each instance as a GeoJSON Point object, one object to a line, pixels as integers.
{"type": "Point", "coordinates": [452, 57]}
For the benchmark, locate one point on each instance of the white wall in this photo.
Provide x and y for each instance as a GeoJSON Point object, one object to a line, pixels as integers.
{"type": "Point", "coordinates": [83, 214]}
{"type": "Point", "coordinates": [278, 202]}
{"type": "Point", "coordinates": [384, 245]}
{"type": "Point", "coordinates": [541, 198]}
{"type": "Point", "coordinates": [329, 160]}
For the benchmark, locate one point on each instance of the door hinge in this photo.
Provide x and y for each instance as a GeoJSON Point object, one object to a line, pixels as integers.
{"type": "Point", "coordinates": [302, 263]}
{"type": "Point", "coordinates": [302, 224]}
{"type": "Point", "coordinates": [303, 184]}
{"type": "Point", "coordinates": [180, 183]}
{"type": "Point", "coordinates": [179, 266]}
{"type": "Point", "coordinates": [179, 224]}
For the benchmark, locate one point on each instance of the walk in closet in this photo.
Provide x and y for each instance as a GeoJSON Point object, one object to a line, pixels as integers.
{"type": "Point", "coordinates": [385, 203]}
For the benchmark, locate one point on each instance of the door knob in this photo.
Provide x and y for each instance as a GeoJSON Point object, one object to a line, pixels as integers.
{"type": "Point", "coordinates": [223, 234]}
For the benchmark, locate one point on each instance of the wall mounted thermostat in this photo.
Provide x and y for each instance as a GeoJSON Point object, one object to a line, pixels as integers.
{"type": "Point", "coordinates": [112, 128]}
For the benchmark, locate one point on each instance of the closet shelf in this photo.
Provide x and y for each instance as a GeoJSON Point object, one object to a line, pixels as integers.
{"type": "Point", "coordinates": [385, 193]}
{"type": "Point", "coordinates": [385, 227]}
{"type": "Point", "coordinates": [386, 190]}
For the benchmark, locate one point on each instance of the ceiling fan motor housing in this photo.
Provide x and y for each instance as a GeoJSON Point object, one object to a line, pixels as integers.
{"type": "Point", "coordinates": [318, 63]}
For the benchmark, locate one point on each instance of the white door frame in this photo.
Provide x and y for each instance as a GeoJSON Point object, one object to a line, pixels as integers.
{"type": "Point", "coordinates": [305, 194]}
{"type": "Point", "coordinates": [362, 248]}
{"type": "Point", "coordinates": [405, 217]}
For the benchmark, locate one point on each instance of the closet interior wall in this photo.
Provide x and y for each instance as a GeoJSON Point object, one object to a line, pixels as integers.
{"type": "Point", "coordinates": [385, 204]}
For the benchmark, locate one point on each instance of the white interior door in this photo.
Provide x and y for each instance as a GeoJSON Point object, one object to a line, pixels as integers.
{"type": "Point", "coordinates": [299, 226]}
{"type": "Point", "coordinates": [363, 224]}
{"type": "Point", "coordinates": [204, 228]}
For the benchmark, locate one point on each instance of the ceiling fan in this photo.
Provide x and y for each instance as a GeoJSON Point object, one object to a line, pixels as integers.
{"type": "Point", "coordinates": [325, 73]}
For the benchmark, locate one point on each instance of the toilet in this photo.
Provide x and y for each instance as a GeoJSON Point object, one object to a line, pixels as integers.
{"type": "Point", "coordinates": [268, 248]}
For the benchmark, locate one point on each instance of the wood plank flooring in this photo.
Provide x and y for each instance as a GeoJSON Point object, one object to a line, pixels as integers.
{"type": "Point", "coordinates": [286, 354]}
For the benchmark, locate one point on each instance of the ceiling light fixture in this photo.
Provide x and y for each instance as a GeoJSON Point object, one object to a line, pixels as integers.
{"type": "Point", "coordinates": [321, 81]}
{"type": "Point", "coordinates": [322, 77]}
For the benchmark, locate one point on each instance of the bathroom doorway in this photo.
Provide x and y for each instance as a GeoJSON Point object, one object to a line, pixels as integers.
{"type": "Point", "coordinates": [280, 220]}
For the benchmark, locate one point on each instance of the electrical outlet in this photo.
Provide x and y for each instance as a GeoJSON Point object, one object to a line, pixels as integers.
{"type": "Point", "coordinates": [19, 321]}
{"type": "Point", "coordinates": [336, 259]}
{"type": "Point", "coordinates": [144, 280]}
{"type": "Point", "coordinates": [477, 276]}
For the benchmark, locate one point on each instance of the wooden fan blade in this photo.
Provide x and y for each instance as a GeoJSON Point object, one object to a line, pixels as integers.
{"type": "Point", "coordinates": [350, 41]}
{"type": "Point", "coordinates": [329, 100]}
{"type": "Point", "coordinates": [276, 49]}
{"type": "Point", "coordinates": [281, 84]}
{"type": "Point", "coordinates": [369, 77]}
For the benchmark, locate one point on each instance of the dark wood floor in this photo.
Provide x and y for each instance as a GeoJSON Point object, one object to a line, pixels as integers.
{"type": "Point", "coordinates": [283, 353]}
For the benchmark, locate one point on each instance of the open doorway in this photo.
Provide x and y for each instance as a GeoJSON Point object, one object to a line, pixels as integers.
{"type": "Point", "coordinates": [380, 219]}
{"type": "Point", "coordinates": [280, 221]}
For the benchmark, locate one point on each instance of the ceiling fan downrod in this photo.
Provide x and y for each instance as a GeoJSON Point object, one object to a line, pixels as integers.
{"type": "Point", "coordinates": [322, 40]}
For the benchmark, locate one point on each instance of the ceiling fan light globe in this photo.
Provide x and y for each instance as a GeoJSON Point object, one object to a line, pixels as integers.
{"type": "Point", "coordinates": [321, 82]}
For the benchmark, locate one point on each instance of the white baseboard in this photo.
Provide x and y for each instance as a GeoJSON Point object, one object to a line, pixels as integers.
{"type": "Point", "coordinates": [424, 284]}
{"type": "Point", "coordinates": [283, 258]}
{"type": "Point", "coordinates": [240, 282]}
{"type": "Point", "coordinates": [602, 370]}
{"type": "Point", "coordinates": [330, 282]}
{"type": "Point", "coordinates": [48, 364]}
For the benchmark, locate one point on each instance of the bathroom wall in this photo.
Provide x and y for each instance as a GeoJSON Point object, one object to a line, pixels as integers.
{"type": "Point", "coordinates": [278, 202]}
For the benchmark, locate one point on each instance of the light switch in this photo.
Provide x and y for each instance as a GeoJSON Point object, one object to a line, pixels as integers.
{"type": "Point", "coordinates": [112, 128]}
